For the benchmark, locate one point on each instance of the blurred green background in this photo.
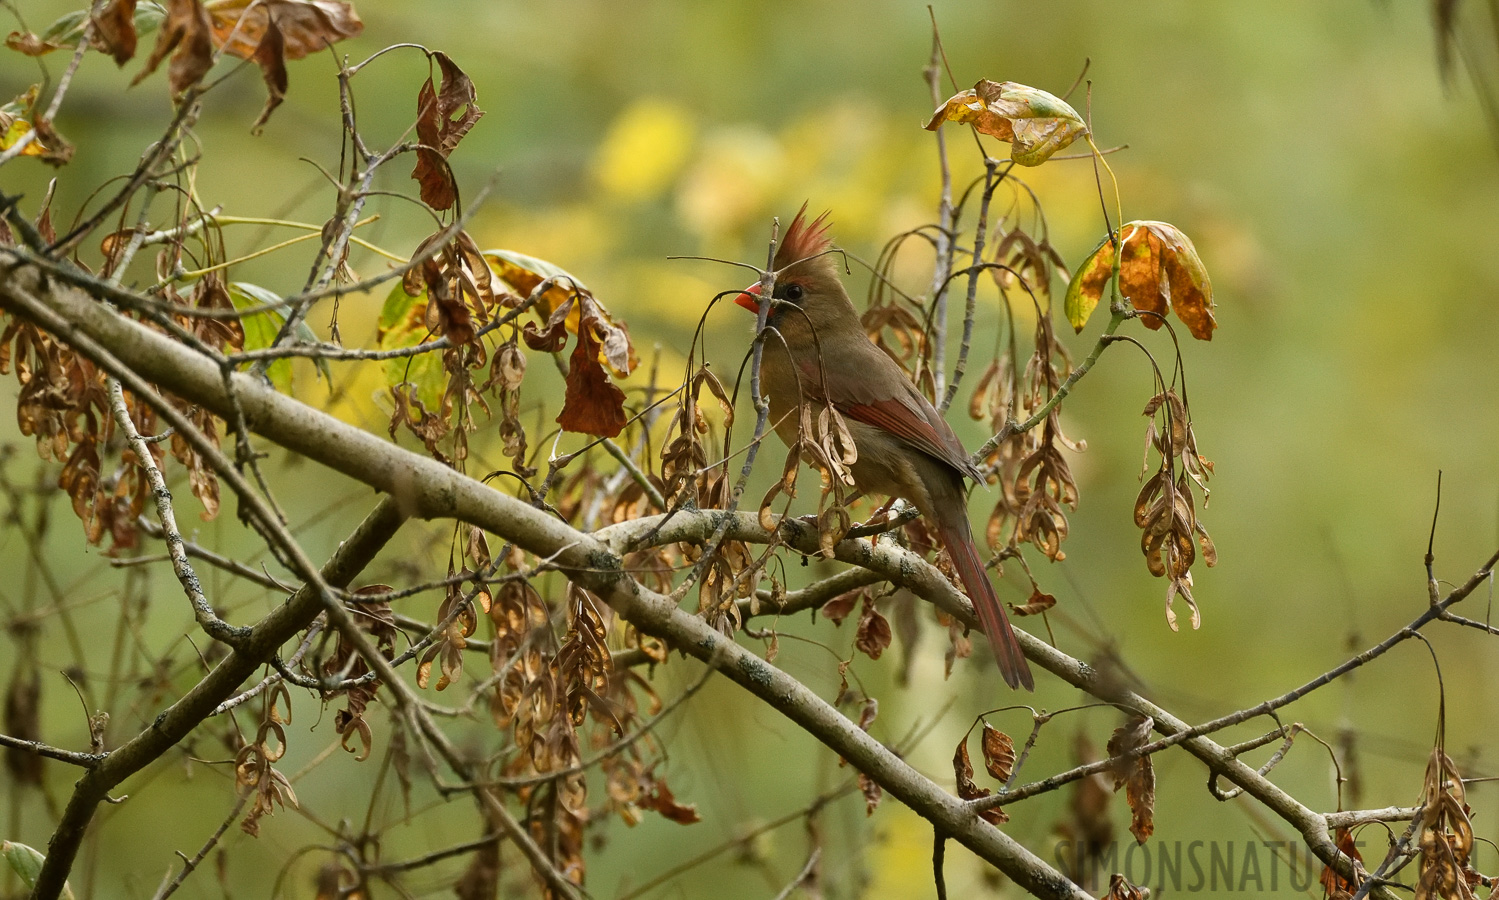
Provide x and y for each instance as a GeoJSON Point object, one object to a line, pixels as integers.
{"type": "Point", "coordinates": [1341, 196]}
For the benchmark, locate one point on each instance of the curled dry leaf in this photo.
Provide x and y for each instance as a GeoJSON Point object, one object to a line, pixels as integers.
{"type": "Point", "coordinates": [1135, 773]}
{"type": "Point", "coordinates": [874, 633]}
{"type": "Point", "coordinates": [1121, 889]}
{"type": "Point", "coordinates": [962, 769]}
{"type": "Point", "coordinates": [270, 56]}
{"type": "Point", "coordinates": [186, 34]}
{"type": "Point", "coordinates": [526, 274]}
{"type": "Point", "coordinates": [660, 799]}
{"type": "Point", "coordinates": [1036, 124]}
{"type": "Point", "coordinates": [838, 608]}
{"type": "Point", "coordinates": [1038, 603]}
{"type": "Point", "coordinates": [443, 116]}
{"type": "Point", "coordinates": [999, 753]}
{"type": "Point", "coordinates": [307, 26]}
{"type": "Point", "coordinates": [1159, 268]}
{"type": "Point", "coordinates": [593, 404]}
{"type": "Point", "coordinates": [115, 31]}
{"type": "Point", "coordinates": [872, 793]}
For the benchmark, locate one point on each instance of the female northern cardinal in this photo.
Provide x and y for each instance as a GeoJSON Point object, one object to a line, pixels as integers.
{"type": "Point", "coordinates": [905, 449]}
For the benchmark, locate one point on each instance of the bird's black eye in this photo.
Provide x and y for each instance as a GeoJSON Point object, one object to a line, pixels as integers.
{"type": "Point", "coordinates": [792, 292]}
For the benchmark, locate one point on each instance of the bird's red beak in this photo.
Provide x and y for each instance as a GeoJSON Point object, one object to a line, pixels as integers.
{"type": "Point", "coordinates": [750, 298]}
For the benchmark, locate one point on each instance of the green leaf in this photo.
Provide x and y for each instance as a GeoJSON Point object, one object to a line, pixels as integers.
{"type": "Point", "coordinates": [27, 863]}
{"type": "Point", "coordinates": [262, 327]}
{"type": "Point", "coordinates": [403, 323]}
{"type": "Point", "coordinates": [1087, 285]}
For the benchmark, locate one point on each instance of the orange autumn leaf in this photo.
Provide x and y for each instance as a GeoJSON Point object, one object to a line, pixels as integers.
{"type": "Point", "coordinates": [1159, 267]}
{"type": "Point", "coordinates": [556, 304]}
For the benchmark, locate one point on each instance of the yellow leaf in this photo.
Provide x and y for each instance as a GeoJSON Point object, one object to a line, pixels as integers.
{"type": "Point", "coordinates": [18, 129]}
{"type": "Point", "coordinates": [1036, 124]}
{"type": "Point", "coordinates": [526, 273]}
{"type": "Point", "coordinates": [1088, 281]}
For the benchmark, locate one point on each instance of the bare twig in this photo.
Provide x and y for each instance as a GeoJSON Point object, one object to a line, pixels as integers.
{"type": "Point", "coordinates": [208, 620]}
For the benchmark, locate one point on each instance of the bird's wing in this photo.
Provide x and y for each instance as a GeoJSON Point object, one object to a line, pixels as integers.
{"type": "Point", "coordinates": [908, 415]}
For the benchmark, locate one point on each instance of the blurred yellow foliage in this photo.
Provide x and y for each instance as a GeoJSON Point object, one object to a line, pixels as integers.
{"type": "Point", "coordinates": [734, 177]}
{"type": "Point", "coordinates": [644, 149]}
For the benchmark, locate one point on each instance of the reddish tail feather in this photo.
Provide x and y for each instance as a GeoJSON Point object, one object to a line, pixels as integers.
{"type": "Point", "coordinates": [957, 536]}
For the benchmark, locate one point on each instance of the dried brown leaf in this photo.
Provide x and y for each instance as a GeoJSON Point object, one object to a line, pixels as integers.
{"type": "Point", "coordinates": [443, 116]}
{"type": "Point", "coordinates": [874, 633]}
{"type": "Point", "coordinates": [1135, 773]}
{"type": "Point", "coordinates": [1038, 603]}
{"type": "Point", "coordinates": [593, 404]}
{"type": "Point", "coordinates": [872, 793]}
{"type": "Point", "coordinates": [187, 34]}
{"type": "Point", "coordinates": [307, 26]}
{"type": "Point", "coordinates": [838, 608]}
{"type": "Point", "coordinates": [1121, 889]}
{"type": "Point", "coordinates": [114, 30]}
{"type": "Point", "coordinates": [270, 56]}
{"type": "Point", "coordinates": [1334, 886]}
{"type": "Point", "coordinates": [962, 769]}
{"type": "Point", "coordinates": [999, 753]}
{"type": "Point", "coordinates": [662, 801]}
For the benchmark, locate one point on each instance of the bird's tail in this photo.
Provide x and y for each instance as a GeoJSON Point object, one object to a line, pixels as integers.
{"type": "Point", "coordinates": [957, 536]}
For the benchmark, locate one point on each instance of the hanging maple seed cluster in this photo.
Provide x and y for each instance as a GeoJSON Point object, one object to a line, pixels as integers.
{"type": "Point", "coordinates": [1445, 833]}
{"type": "Point", "coordinates": [823, 442]}
{"type": "Point", "coordinates": [1034, 479]}
{"type": "Point", "coordinates": [350, 673]}
{"type": "Point", "coordinates": [64, 403]}
{"type": "Point", "coordinates": [1165, 512]}
{"type": "Point", "coordinates": [254, 775]}
{"type": "Point", "coordinates": [685, 475]}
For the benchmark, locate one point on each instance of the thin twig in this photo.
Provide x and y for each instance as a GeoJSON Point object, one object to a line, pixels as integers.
{"type": "Point", "coordinates": [207, 619]}
{"type": "Point", "coordinates": [803, 875]}
{"type": "Point", "coordinates": [189, 865]}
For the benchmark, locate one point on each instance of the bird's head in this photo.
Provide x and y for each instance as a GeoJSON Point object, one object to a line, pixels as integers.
{"type": "Point", "coordinates": [807, 293]}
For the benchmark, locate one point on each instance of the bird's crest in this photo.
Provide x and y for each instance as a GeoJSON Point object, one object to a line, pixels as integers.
{"type": "Point", "coordinates": [805, 239]}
